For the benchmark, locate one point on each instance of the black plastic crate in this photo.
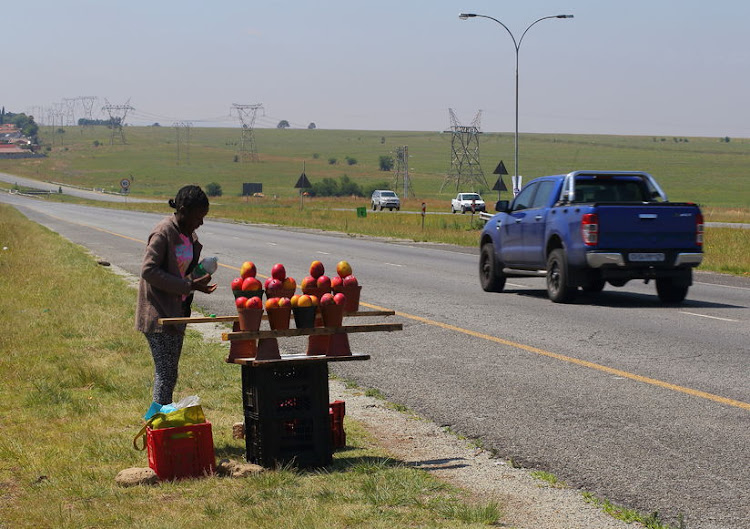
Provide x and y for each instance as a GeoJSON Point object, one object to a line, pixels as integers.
{"type": "Point", "coordinates": [302, 441]}
{"type": "Point", "coordinates": [287, 414]}
{"type": "Point", "coordinates": [285, 391]}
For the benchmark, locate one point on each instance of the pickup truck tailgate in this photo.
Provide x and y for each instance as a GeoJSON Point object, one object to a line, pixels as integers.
{"type": "Point", "coordinates": [664, 226]}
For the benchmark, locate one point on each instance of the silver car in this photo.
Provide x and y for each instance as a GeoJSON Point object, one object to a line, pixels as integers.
{"type": "Point", "coordinates": [385, 198]}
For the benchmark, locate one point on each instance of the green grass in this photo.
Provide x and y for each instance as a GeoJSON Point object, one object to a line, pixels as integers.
{"type": "Point", "coordinates": [650, 521]}
{"type": "Point", "coordinates": [76, 379]}
{"type": "Point", "coordinates": [701, 170]}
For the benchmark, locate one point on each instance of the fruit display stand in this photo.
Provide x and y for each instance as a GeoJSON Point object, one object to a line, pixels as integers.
{"type": "Point", "coordinates": [285, 400]}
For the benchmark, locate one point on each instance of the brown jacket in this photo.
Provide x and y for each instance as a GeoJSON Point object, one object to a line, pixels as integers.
{"type": "Point", "coordinates": [161, 286]}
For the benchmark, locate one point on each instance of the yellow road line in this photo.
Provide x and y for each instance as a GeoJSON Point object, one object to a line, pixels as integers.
{"type": "Point", "coordinates": [576, 361]}
{"type": "Point", "coordinates": [528, 348]}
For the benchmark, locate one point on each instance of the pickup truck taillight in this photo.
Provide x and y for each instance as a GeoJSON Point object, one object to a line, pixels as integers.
{"type": "Point", "coordinates": [699, 229]}
{"type": "Point", "coordinates": [590, 229]}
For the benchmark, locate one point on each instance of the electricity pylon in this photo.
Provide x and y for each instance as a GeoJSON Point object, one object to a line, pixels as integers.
{"type": "Point", "coordinates": [117, 114]}
{"type": "Point", "coordinates": [465, 154]}
{"type": "Point", "coordinates": [247, 114]}
{"type": "Point", "coordinates": [182, 128]}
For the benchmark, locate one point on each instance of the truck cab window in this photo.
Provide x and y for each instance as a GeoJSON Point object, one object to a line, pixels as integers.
{"type": "Point", "coordinates": [525, 198]}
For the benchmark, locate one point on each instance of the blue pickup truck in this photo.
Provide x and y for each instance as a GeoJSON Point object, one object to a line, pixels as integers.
{"type": "Point", "coordinates": [588, 228]}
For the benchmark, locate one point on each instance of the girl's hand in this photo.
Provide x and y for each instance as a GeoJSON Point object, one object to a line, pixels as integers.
{"type": "Point", "coordinates": [201, 284]}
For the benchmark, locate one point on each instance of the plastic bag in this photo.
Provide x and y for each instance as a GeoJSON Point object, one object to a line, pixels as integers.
{"type": "Point", "coordinates": [187, 411]}
{"type": "Point", "coordinates": [192, 400]}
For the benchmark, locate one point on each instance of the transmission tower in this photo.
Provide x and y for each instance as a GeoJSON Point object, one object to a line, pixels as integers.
{"type": "Point", "coordinates": [87, 102]}
{"type": "Point", "coordinates": [117, 114]}
{"type": "Point", "coordinates": [70, 111]}
{"type": "Point", "coordinates": [401, 171]}
{"type": "Point", "coordinates": [247, 114]}
{"type": "Point", "coordinates": [465, 166]}
{"type": "Point", "coordinates": [182, 128]}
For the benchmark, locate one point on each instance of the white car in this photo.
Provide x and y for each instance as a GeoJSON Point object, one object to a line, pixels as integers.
{"type": "Point", "coordinates": [385, 198]}
{"type": "Point", "coordinates": [467, 202]}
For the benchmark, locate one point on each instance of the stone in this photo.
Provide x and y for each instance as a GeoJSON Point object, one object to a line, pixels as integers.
{"type": "Point", "coordinates": [233, 469]}
{"type": "Point", "coordinates": [131, 477]}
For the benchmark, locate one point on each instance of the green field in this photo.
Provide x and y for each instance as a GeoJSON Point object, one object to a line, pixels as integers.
{"type": "Point", "coordinates": [708, 171]}
{"type": "Point", "coordinates": [703, 170]}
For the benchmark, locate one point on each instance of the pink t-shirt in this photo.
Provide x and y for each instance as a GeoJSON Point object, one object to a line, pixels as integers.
{"type": "Point", "coordinates": [184, 254]}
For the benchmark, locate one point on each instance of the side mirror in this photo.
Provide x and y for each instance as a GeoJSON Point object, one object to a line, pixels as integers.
{"type": "Point", "coordinates": [501, 206]}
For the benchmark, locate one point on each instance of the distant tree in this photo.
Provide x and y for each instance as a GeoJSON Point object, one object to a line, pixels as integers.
{"type": "Point", "coordinates": [156, 125]}
{"type": "Point", "coordinates": [312, 126]}
{"type": "Point", "coordinates": [283, 124]}
{"type": "Point", "coordinates": [348, 187]}
{"type": "Point", "coordinates": [213, 189]}
{"type": "Point", "coordinates": [382, 139]}
{"type": "Point", "coordinates": [332, 160]}
{"type": "Point", "coordinates": [329, 187]}
{"type": "Point", "coordinates": [316, 155]}
{"type": "Point", "coordinates": [726, 139]}
{"type": "Point", "coordinates": [351, 161]}
{"type": "Point", "coordinates": [386, 163]}
{"type": "Point", "coordinates": [2, 116]}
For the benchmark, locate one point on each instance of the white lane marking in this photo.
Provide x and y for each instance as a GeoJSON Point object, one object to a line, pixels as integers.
{"type": "Point", "coordinates": [516, 285]}
{"type": "Point", "coordinates": [394, 264]}
{"type": "Point", "coordinates": [717, 285]}
{"type": "Point", "coordinates": [706, 316]}
{"type": "Point", "coordinates": [323, 253]}
{"type": "Point", "coordinates": [272, 243]}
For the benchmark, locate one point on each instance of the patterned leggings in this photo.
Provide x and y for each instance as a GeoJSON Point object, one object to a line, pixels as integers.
{"type": "Point", "coordinates": [166, 349]}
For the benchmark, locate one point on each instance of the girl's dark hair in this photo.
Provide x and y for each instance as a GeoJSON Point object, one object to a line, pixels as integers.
{"type": "Point", "coordinates": [189, 197]}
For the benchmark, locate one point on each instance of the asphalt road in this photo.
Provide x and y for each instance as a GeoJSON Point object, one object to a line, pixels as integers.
{"type": "Point", "coordinates": [642, 404]}
{"type": "Point", "coordinates": [68, 190]}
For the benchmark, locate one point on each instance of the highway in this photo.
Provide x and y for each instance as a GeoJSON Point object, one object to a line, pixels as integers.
{"type": "Point", "coordinates": [642, 404]}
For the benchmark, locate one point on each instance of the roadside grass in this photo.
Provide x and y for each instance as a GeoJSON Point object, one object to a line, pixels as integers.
{"type": "Point", "coordinates": [548, 477]}
{"type": "Point", "coordinates": [727, 250]}
{"type": "Point", "coordinates": [77, 377]}
{"type": "Point", "coordinates": [650, 521]}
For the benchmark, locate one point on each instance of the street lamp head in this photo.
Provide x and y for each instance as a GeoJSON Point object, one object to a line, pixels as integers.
{"type": "Point", "coordinates": [564, 16]}
{"type": "Point", "coordinates": [464, 16]}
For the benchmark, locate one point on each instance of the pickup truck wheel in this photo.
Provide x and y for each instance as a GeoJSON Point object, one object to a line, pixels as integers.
{"type": "Point", "coordinates": [453, 210]}
{"type": "Point", "coordinates": [491, 275]}
{"type": "Point", "coordinates": [557, 278]}
{"type": "Point", "coordinates": [374, 208]}
{"type": "Point", "coordinates": [463, 211]}
{"type": "Point", "coordinates": [669, 292]}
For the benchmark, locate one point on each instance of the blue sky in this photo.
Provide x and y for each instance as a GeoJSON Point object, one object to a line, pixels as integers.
{"type": "Point", "coordinates": [651, 67]}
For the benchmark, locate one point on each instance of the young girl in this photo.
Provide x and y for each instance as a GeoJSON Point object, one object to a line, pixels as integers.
{"type": "Point", "coordinates": [166, 287]}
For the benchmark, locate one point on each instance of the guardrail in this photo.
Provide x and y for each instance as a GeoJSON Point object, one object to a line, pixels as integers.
{"type": "Point", "coordinates": [484, 216]}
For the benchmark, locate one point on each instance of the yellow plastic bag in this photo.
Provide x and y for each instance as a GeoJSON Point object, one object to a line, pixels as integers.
{"type": "Point", "coordinates": [179, 417]}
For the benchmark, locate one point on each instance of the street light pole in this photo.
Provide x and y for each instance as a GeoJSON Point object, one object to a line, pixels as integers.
{"type": "Point", "coordinates": [517, 46]}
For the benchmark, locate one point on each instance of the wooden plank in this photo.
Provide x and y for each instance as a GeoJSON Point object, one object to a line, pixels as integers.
{"type": "Point", "coordinates": [345, 329]}
{"type": "Point", "coordinates": [230, 319]}
{"type": "Point", "coordinates": [217, 319]}
{"type": "Point", "coordinates": [292, 359]}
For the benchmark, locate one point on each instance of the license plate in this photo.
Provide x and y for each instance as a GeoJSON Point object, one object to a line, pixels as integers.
{"type": "Point", "coordinates": [646, 257]}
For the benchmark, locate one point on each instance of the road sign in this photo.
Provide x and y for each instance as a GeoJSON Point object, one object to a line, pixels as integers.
{"type": "Point", "coordinates": [500, 169]}
{"type": "Point", "coordinates": [302, 182]}
{"type": "Point", "coordinates": [125, 183]}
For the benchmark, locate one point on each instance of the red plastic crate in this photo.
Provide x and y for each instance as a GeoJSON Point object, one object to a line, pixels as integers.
{"type": "Point", "coordinates": [336, 412]}
{"type": "Point", "coordinates": [182, 452]}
